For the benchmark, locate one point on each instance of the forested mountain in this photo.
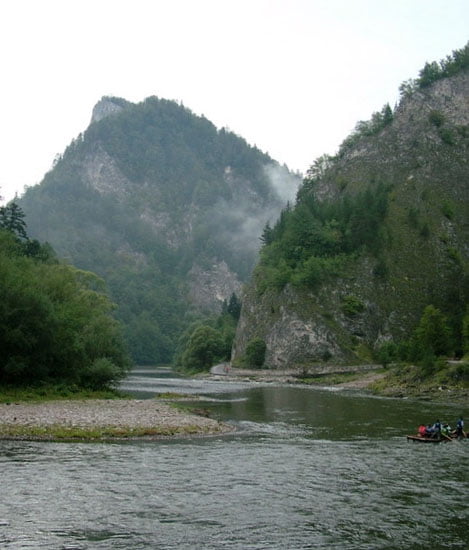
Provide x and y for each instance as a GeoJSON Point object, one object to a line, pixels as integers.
{"type": "Point", "coordinates": [378, 234]}
{"type": "Point", "coordinates": [167, 209]}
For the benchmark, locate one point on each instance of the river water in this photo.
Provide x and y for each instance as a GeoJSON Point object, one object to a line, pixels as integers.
{"type": "Point", "coordinates": [306, 468]}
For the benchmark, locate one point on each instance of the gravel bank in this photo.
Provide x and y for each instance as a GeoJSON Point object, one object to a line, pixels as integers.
{"type": "Point", "coordinates": [114, 418]}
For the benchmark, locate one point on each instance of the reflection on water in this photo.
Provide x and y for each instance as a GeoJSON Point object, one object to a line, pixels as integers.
{"type": "Point", "coordinates": [307, 469]}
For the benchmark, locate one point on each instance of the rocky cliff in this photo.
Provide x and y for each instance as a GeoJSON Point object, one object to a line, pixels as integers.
{"type": "Point", "coordinates": [419, 155]}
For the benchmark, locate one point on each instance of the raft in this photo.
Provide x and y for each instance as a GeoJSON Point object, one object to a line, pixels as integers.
{"type": "Point", "coordinates": [422, 439]}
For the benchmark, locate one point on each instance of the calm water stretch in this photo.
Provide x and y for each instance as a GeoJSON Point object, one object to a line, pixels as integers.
{"type": "Point", "coordinates": [307, 468]}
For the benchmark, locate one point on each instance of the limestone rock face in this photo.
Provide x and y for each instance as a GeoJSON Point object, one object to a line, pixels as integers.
{"type": "Point", "coordinates": [100, 172]}
{"type": "Point", "coordinates": [105, 107]}
{"type": "Point", "coordinates": [209, 286]}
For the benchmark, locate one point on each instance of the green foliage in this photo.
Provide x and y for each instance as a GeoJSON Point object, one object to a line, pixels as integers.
{"type": "Point", "coordinates": [175, 203]}
{"type": "Point", "coordinates": [431, 339]}
{"type": "Point", "coordinates": [146, 341]}
{"type": "Point", "coordinates": [453, 64]}
{"type": "Point", "coordinates": [425, 231]}
{"type": "Point", "coordinates": [204, 349]}
{"type": "Point", "coordinates": [12, 220]}
{"type": "Point", "coordinates": [53, 325]}
{"type": "Point", "coordinates": [413, 217]}
{"type": "Point", "coordinates": [455, 255]}
{"type": "Point", "coordinates": [432, 335]}
{"type": "Point", "coordinates": [313, 242]}
{"type": "Point", "coordinates": [319, 167]}
{"type": "Point", "coordinates": [366, 128]}
{"type": "Point", "coordinates": [234, 307]}
{"type": "Point", "coordinates": [447, 135]}
{"type": "Point", "coordinates": [267, 235]}
{"type": "Point", "coordinates": [100, 374]}
{"type": "Point", "coordinates": [255, 353]}
{"type": "Point", "coordinates": [351, 305]}
{"type": "Point", "coordinates": [431, 72]}
{"type": "Point", "coordinates": [381, 269]}
{"type": "Point", "coordinates": [459, 373]}
{"type": "Point", "coordinates": [387, 353]}
{"type": "Point", "coordinates": [436, 118]}
{"type": "Point", "coordinates": [465, 332]}
{"type": "Point", "coordinates": [313, 271]}
{"type": "Point", "coordinates": [54, 392]}
{"type": "Point", "coordinates": [408, 87]}
{"type": "Point", "coordinates": [221, 332]}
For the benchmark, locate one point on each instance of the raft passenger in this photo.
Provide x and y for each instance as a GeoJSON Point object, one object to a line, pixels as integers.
{"type": "Point", "coordinates": [460, 428]}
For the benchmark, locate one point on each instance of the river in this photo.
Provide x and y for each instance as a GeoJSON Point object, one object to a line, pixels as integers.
{"type": "Point", "coordinates": [306, 468]}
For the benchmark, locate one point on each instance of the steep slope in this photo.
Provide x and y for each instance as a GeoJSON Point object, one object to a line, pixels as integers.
{"type": "Point", "coordinates": [378, 232]}
{"type": "Point", "coordinates": [162, 205]}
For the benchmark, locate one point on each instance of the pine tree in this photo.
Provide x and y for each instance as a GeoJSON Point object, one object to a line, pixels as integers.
{"type": "Point", "coordinates": [12, 219]}
{"type": "Point", "coordinates": [234, 307]}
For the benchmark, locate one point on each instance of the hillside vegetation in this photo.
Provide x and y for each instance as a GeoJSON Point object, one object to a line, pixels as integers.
{"type": "Point", "coordinates": [165, 207]}
{"type": "Point", "coordinates": [378, 233]}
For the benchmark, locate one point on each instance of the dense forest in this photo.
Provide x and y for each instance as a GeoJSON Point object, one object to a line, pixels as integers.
{"type": "Point", "coordinates": [56, 323]}
{"type": "Point", "coordinates": [313, 241]}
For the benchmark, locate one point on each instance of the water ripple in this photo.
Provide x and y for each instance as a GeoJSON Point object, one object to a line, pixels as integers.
{"type": "Point", "coordinates": [286, 479]}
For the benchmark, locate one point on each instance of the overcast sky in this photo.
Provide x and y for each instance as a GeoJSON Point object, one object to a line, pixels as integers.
{"type": "Point", "coordinates": [290, 76]}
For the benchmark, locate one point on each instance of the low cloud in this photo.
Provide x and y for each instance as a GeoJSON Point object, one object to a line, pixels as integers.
{"type": "Point", "coordinates": [241, 221]}
{"type": "Point", "coordinates": [284, 183]}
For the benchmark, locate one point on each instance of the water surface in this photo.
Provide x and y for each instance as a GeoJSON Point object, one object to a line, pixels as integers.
{"type": "Point", "coordinates": [306, 469]}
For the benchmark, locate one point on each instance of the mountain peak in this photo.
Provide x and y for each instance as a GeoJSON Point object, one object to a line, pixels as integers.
{"type": "Point", "coordinates": [107, 106]}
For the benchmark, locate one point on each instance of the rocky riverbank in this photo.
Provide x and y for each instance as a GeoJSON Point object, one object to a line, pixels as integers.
{"type": "Point", "coordinates": [371, 378]}
{"type": "Point", "coordinates": [346, 376]}
{"type": "Point", "coordinates": [101, 419]}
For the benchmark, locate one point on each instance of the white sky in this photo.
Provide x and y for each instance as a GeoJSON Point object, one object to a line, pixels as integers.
{"type": "Point", "coordinates": [290, 76]}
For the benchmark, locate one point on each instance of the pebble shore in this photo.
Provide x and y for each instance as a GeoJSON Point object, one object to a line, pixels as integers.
{"type": "Point", "coordinates": [123, 416]}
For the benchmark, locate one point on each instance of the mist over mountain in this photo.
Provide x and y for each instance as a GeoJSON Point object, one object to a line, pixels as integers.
{"type": "Point", "coordinates": [165, 207]}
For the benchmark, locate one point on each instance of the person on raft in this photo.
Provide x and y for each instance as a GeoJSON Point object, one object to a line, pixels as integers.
{"type": "Point", "coordinates": [460, 428]}
{"type": "Point", "coordinates": [446, 430]}
{"type": "Point", "coordinates": [433, 431]}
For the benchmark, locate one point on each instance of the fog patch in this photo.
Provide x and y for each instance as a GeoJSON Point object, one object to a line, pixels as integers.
{"type": "Point", "coordinates": [239, 225]}
{"type": "Point", "coordinates": [240, 222]}
{"type": "Point", "coordinates": [283, 182]}
{"type": "Point", "coordinates": [235, 225]}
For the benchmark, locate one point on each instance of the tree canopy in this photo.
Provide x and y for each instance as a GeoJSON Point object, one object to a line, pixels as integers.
{"type": "Point", "coordinates": [311, 242]}
{"type": "Point", "coordinates": [56, 323]}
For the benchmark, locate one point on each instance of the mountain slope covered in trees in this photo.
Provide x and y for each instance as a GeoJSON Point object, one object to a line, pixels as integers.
{"type": "Point", "coordinates": [378, 234]}
{"type": "Point", "coordinates": [165, 208]}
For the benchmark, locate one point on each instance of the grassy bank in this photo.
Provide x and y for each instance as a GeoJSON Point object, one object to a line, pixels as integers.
{"type": "Point", "coordinates": [338, 378]}
{"type": "Point", "coordinates": [58, 432]}
{"type": "Point", "coordinates": [443, 381]}
{"type": "Point", "coordinates": [11, 394]}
